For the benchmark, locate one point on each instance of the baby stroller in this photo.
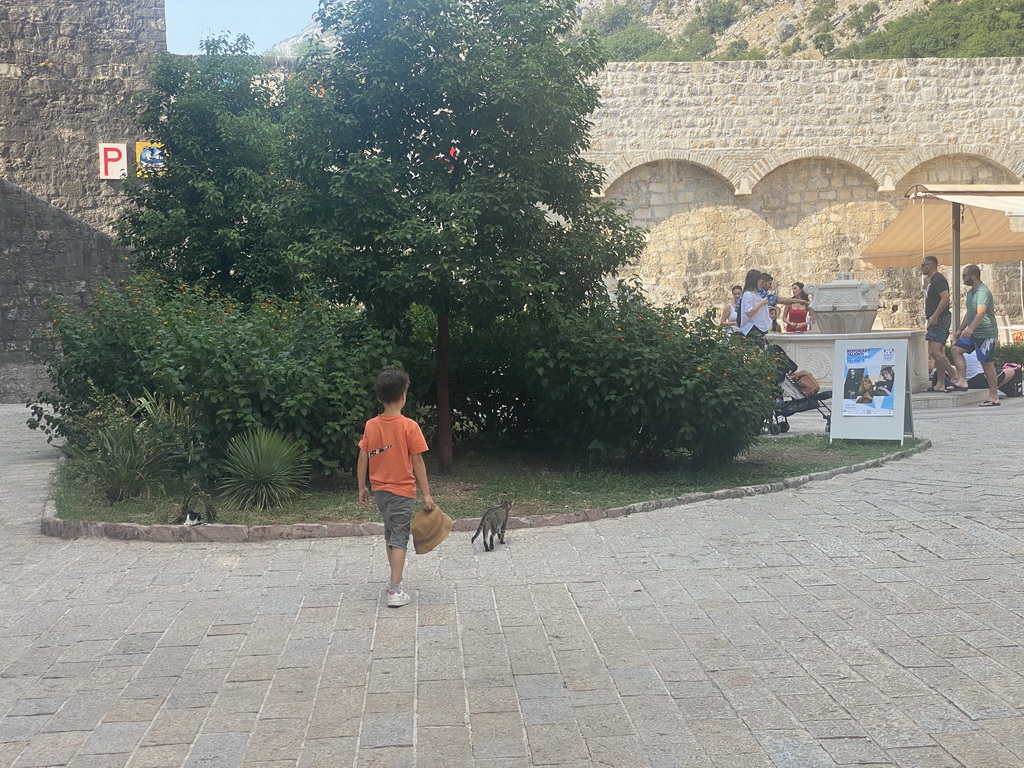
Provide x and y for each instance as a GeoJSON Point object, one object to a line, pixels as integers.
{"type": "Point", "coordinates": [790, 399]}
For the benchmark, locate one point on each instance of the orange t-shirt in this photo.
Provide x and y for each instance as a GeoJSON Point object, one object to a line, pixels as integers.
{"type": "Point", "coordinates": [391, 442]}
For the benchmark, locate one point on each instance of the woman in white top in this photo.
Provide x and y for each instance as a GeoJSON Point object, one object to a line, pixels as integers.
{"type": "Point", "coordinates": [730, 312]}
{"type": "Point", "coordinates": [754, 319]}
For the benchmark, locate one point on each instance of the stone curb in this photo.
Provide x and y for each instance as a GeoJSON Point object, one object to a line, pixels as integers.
{"type": "Point", "coordinates": [52, 525]}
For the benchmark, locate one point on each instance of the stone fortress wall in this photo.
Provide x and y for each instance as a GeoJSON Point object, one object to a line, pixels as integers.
{"type": "Point", "coordinates": [795, 167]}
{"type": "Point", "coordinates": [787, 166]}
{"type": "Point", "coordinates": [66, 72]}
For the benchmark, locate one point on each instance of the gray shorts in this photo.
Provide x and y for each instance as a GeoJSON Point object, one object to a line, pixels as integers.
{"type": "Point", "coordinates": [939, 332]}
{"type": "Point", "coordinates": [396, 512]}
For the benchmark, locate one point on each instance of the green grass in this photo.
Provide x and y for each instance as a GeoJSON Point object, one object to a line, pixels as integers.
{"type": "Point", "coordinates": [538, 486]}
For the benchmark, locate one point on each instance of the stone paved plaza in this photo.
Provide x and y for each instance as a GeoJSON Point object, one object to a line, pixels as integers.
{"type": "Point", "coordinates": [875, 619]}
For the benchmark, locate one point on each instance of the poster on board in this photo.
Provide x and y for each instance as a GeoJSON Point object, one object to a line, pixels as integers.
{"type": "Point", "coordinates": [871, 378]}
{"type": "Point", "coordinates": [869, 381]}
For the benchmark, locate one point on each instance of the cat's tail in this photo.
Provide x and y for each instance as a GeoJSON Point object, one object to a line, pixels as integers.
{"type": "Point", "coordinates": [478, 529]}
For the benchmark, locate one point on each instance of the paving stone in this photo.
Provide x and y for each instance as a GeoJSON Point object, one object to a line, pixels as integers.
{"type": "Point", "coordinates": [275, 740]}
{"type": "Point", "coordinates": [853, 750]}
{"type": "Point", "coordinates": [656, 719]}
{"type": "Point", "coordinates": [169, 756]}
{"type": "Point", "coordinates": [849, 621]}
{"type": "Point", "coordinates": [977, 749]}
{"type": "Point", "coordinates": [547, 711]}
{"type": "Point", "coordinates": [113, 738]}
{"type": "Point", "coordinates": [724, 737]}
{"type": "Point", "coordinates": [386, 729]}
{"type": "Point", "coordinates": [225, 749]}
{"type": "Point", "coordinates": [443, 747]}
{"type": "Point", "coordinates": [923, 757]}
{"type": "Point", "coordinates": [48, 749]}
{"type": "Point", "coordinates": [174, 726]}
{"type": "Point", "coordinates": [556, 744]}
{"type": "Point", "coordinates": [617, 752]}
{"type": "Point", "coordinates": [498, 735]}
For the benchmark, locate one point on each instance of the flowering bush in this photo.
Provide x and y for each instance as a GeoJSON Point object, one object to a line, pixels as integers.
{"type": "Point", "coordinates": [628, 379]}
{"type": "Point", "coordinates": [302, 367]}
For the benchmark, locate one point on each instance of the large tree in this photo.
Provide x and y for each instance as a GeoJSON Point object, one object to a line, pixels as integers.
{"type": "Point", "coordinates": [213, 213]}
{"type": "Point", "coordinates": [433, 157]}
{"type": "Point", "coordinates": [459, 128]}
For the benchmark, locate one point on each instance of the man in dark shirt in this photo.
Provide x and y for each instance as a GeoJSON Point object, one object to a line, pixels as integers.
{"type": "Point", "coordinates": [936, 310]}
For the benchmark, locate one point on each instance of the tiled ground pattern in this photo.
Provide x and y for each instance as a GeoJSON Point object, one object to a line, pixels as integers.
{"type": "Point", "coordinates": [876, 619]}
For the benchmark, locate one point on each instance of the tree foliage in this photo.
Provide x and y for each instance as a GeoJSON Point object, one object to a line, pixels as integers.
{"type": "Point", "coordinates": [718, 15]}
{"type": "Point", "coordinates": [860, 18]}
{"type": "Point", "coordinates": [515, 222]}
{"type": "Point", "coordinates": [213, 213]}
{"type": "Point", "coordinates": [970, 29]}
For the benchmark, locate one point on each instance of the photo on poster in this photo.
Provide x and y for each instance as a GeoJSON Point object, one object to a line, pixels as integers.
{"type": "Point", "coordinates": [869, 380]}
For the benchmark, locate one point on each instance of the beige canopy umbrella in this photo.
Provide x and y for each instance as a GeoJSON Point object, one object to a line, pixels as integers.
{"type": "Point", "coordinates": [976, 221]}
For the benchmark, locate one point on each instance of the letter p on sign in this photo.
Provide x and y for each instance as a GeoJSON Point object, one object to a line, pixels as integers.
{"type": "Point", "coordinates": [113, 161]}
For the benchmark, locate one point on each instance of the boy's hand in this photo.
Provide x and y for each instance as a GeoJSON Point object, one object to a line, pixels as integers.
{"type": "Point", "coordinates": [364, 496]}
{"type": "Point", "coordinates": [428, 502]}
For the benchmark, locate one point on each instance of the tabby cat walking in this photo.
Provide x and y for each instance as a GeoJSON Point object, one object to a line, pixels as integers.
{"type": "Point", "coordinates": [494, 521]}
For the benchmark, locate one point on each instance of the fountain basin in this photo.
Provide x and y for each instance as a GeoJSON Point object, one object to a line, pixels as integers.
{"type": "Point", "coordinates": [844, 306]}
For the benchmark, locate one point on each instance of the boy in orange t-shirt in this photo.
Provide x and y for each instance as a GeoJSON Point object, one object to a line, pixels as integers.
{"type": "Point", "coordinates": [392, 450]}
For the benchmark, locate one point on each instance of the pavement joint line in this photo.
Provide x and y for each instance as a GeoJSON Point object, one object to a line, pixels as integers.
{"type": "Point", "coordinates": [215, 533]}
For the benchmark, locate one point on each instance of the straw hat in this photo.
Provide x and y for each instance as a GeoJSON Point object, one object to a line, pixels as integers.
{"type": "Point", "coordinates": [429, 529]}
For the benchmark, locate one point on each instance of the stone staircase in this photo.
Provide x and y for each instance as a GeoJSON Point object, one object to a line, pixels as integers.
{"type": "Point", "coordinates": [924, 401]}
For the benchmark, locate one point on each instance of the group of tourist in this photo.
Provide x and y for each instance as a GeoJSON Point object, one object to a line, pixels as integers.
{"type": "Point", "coordinates": [753, 309]}
{"type": "Point", "coordinates": [974, 341]}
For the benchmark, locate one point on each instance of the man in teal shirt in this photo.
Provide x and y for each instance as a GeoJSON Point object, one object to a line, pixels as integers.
{"type": "Point", "coordinates": [977, 333]}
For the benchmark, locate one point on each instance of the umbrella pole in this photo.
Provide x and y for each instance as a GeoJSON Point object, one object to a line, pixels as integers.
{"type": "Point", "coordinates": [956, 266]}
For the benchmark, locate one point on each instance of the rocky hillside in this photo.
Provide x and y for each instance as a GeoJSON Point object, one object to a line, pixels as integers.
{"type": "Point", "coordinates": [779, 28]}
{"type": "Point", "coordinates": [772, 28]}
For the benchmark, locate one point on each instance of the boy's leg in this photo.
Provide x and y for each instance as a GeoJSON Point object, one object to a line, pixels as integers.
{"type": "Point", "coordinates": [396, 512]}
{"type": "Point", "coordinates": [396, 559]}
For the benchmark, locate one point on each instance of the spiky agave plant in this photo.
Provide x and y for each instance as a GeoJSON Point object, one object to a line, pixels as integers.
{"type": "Point", "coordinates": [264, 469]}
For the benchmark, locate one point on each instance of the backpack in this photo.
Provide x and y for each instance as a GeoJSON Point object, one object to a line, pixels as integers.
{"type": "Point", "coordinates": [806, 383]}
{"type": "Point", "coordinates": [1011, 387]}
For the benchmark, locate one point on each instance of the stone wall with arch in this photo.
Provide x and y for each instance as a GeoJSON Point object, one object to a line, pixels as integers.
{"type": "Point", "coordinates": [789, 166]}
{"type": "Point", "coordinates": [794, 167]}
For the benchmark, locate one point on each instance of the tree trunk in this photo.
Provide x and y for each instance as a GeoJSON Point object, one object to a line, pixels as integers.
{"type": "Point", "coordinates": [445, 450]}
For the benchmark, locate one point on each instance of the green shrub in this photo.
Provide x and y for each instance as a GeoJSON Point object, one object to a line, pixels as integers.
{"type": "Point", "coordinates": [121, 459]}
{"type": "Point", "coordinates": [263, 469]}
{"type": "Point", "coordinates": [1009, 353]}
{"type": "Point", "coordinates": [824, 42]}
{"type": "Point", "coordinates": [718, 15]}
{"type": "Point", "coordinates": [486, 386]}
{"type": "Point", "coordinates": [303, 367]}
{"type": "Point", "coordinates": [174, 423]}
{"type": "Point", "coordinates": [628, 379]}
{"type": "Point", "coordinates": [612, 17]}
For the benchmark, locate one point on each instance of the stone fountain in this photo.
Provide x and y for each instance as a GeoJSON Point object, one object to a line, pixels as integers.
{"type": "Point", "coordinates": [846, 309]}
{"type": "Point", "coordinates": [846, 305]}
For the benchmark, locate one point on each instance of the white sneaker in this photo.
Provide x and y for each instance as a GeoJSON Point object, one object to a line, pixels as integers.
{"type": "Point", "coordinates": [398, 599]}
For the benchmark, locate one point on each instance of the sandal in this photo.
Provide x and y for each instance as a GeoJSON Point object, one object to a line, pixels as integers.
{"type": "Point", "coordinates": [955, 388]}
{"type": "Point", "coordinates": [989, 404]}
{"type": "Point", "coordinates": [936, 389]}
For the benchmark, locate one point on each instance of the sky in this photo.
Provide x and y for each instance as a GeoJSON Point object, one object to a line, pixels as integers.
{"type": "Point", "coordinates": [267, 22]}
